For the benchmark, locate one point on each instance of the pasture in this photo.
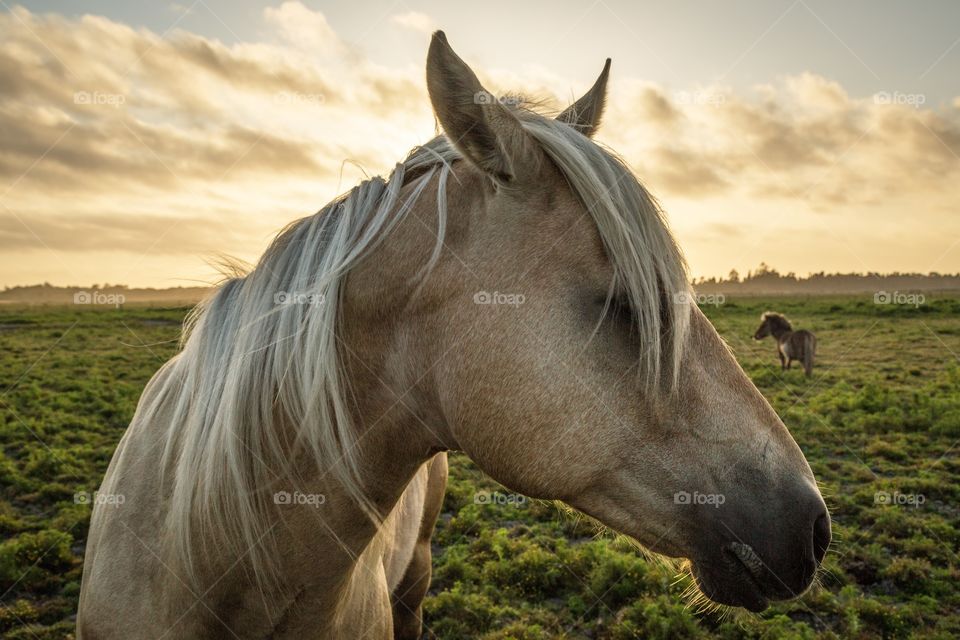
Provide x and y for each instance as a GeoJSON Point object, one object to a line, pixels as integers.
{"type": "Point", "coordinates": [879, 421]}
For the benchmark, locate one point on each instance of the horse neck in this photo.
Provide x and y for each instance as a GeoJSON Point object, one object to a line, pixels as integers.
{"type": "Point", "coordinates": [780, 333]}
{"type": "Point", "coordinates": [398, 420]}
{"type": "Point", "coordinates": [346, 539]}
{"type": "Point", "coordinates": [779, 328]}
{"type": "Point", "coordinates": [394, 414]}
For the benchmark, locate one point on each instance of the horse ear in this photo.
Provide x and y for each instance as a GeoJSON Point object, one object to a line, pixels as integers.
{"type": "Point", "coordinates": [484, 130]}
{"type": "Point", "coordinates": [585, 113]}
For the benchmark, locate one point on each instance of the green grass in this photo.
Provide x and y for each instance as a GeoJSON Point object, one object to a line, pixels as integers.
{"type": "Point", "coordinates": [881, 415]}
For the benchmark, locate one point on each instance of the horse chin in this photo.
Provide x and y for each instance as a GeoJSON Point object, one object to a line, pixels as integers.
{"type": "Point", "coordinates": [733, 579]}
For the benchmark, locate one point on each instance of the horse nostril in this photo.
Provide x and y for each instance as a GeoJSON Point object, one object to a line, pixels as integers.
{"type": "Point", "coordinates": [821, 536]}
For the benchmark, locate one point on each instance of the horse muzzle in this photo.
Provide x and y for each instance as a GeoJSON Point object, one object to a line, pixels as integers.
{"type": "Point", "coordinates": [755, 565]}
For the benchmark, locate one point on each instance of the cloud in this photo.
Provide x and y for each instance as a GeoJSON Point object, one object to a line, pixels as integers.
{"type": "Point", "coordinates": [304, 28]}
{"type": "Point", "coordinates": [121, 139]}
{"type": "Point", "coordinates": [119, 108]}
{"type": "Point", "coordinates": [656, 108]}
{"type": "Point", "coordinates": [415, 21]}
{"type": "Point", "coordinates": [684, 172]}
{"type": "Point", "coordinates": [126, 231]}
{"type": "Point", "coordinates": [110, 109]}
{"type": "Point", "coordinates": [801, 138]}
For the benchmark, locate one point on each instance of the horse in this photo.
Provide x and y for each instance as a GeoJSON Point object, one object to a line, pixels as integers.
{"type": "Point", "coordinates": [510, 291]}
{"type": "Point", "coordinates": [791, 345]}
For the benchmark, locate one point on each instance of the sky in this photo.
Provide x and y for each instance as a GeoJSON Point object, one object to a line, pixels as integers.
{"type": "Point", "coordinates": [140, 141]}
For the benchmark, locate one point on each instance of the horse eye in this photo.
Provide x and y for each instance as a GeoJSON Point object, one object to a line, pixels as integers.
{"type": "Point", "coordinates": [620, 309]}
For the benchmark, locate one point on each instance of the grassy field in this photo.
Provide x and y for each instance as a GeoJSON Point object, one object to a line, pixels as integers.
{"type": "Point", "coordinates": [879, 421]}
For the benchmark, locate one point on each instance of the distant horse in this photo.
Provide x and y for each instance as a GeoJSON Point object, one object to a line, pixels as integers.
{"type": "Point", "coordinates": [791, 345]}
{"type": "Point", "coordinates": [512, 292]}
